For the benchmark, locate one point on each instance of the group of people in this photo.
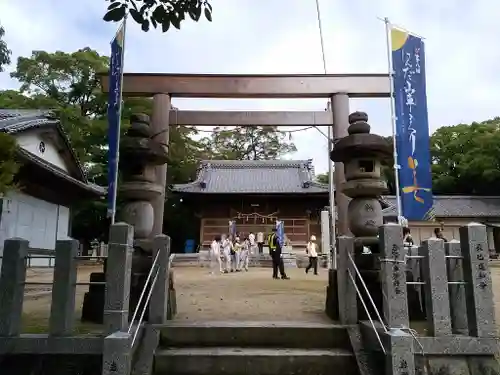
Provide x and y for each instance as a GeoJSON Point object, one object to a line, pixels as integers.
{"type": "Point", "coordinates": [232, 254]}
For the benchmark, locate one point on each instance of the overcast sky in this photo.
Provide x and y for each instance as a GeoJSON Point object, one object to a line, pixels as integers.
{"type": "Point", "coordinates": [281, 36]}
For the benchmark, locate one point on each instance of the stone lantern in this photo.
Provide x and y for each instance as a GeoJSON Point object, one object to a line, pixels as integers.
{"type": "Point", "coordinates": [139, 155]}
{"type": "Point", "coordinates": [362, 154]}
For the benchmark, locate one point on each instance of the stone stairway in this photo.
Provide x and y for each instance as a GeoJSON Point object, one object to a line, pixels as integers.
{"type": "Point", "coordinates": [257, 348]}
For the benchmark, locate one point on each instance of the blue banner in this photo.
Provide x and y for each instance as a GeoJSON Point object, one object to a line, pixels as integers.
{"type": "Point", "coordinates": [114, 113]}
{"type": "Point", "coordinates": [280, 232]}
{"type": "Point", "coordinates": [412, 126]}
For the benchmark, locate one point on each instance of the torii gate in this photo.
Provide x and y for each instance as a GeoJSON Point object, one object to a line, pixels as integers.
{"type": "Point", "coordinates": [337, 87]}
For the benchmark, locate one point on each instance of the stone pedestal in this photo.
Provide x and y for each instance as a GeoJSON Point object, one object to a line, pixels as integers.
{"type": "Point", "coordinates": [332, 301]}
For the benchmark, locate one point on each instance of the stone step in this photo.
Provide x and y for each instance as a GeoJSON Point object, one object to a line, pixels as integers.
{"type": "Point", "coordinates": [244, 361]}
{"type": "Point", "coordinates": [255, 334]}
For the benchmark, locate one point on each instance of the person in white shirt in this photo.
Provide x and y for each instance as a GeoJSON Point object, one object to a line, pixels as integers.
{"type": "Point", "coordinates": [260, 242]}
{"type": "Point", "coordinates": [244, 255]}
{"type": "Point", "coordinates": [235, 255]}
{"type": "Point", "coordinates": [215, 255]}
{"type": "Point", "coordinates": [252, 243]}
{"type": "Point", "coordinates": [312, 251]}
{"type": "Point", "coordinates": [226, 251]}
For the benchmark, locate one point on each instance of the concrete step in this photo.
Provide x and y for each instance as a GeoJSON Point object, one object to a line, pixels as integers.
{"type": "Point", "coordinates": [245, 361]}
{"type": "Point", "coordinates": [255, 334]}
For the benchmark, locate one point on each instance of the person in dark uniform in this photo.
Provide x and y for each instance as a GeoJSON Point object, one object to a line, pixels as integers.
{"type": "Point", "coordinates": [275, 252]}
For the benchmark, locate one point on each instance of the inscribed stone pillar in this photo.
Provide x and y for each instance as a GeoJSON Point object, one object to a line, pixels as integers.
{"type": "Point", "coordinates": [160, 129]}
{"type": "Point", "coordinates": [340, 114]}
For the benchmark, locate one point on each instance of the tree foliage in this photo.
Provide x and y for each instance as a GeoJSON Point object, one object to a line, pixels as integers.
{"type": "Point", "coordinates": [248, 143]}
{"type": "Point", "coordinates": [466, 158]}
{"type": "Point", "coordinates": [8, 164]}
{"type": "Point", "coordinates": [5, 52]}
{"type": "Point", "coordinates": [69, 84]}
{"type": "Point", "coordinates": [323, 178]}
{"type": "Point", "coordinates": [164, 13]}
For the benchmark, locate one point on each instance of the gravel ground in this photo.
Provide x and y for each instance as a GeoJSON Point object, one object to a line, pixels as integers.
{"type": "Point", "coordinates": [252, 295]}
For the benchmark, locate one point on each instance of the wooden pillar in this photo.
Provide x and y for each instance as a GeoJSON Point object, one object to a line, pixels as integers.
{"type": "Point", "coordinates": [340, 114]}
{"type": "Point", "coordinates": [160, 128]}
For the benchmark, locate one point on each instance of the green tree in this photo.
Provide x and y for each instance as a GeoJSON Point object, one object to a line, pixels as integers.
{"type": "Point", "coordinates": [248, 143]}
{"type": "Point", "coordinates": [5, 52]}
{"type": "Point", "coordinates": [466, 158]}
{"type": "Point", "coordinates": [322, 178]}
{"type": "Point", "coordinates": [69, 84]}
{"type": "Point", "coordinates": [8, 164]}
{"type": "Point", "coordinates": [158, 12]}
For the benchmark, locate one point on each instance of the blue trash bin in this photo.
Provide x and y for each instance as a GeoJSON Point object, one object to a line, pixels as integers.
{"type": "Point", "coordinates": [189, 246]}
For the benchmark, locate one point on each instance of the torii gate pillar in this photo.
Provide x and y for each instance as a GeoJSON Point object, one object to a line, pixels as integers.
{"type": "Point", "coordinates": [160, 129]}
{"type": "Point", "coordinates": [340, 114]}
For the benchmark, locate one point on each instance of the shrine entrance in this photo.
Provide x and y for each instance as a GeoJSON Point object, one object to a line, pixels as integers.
{"type": "Point", "coordinates": [336, 87]}
{"type": "Point", "coordinates": [253, 295]}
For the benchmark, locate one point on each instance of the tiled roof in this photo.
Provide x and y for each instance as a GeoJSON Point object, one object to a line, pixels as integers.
{"type": "Point", "coordinates": [14, 120]}
{"type": "Point", "coordinates": [254, 177]}
{"type": "Point", "coordinates": [456, 206]}
{"type": "Point", "coordinates": [17, 120]}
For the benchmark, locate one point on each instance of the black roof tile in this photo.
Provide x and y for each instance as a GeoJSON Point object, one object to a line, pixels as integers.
{"type": "Point", "coordinates": [254, 177]}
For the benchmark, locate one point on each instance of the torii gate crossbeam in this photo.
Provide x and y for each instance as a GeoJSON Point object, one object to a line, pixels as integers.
{"type": "Point", "coordinates": [337, 87]}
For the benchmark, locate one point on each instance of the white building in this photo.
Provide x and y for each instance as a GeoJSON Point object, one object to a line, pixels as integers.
{"type": "Point", "coordinates": [50, 180]}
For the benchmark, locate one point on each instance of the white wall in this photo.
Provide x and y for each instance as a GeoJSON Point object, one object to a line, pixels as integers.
{"type": "Point", "coordinates": [30, 141]}
{"type": "Point", "coordinates": [35, 220]}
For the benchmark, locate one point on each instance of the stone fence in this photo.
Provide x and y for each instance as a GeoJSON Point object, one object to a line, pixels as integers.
{"type": "Point", "coordinates": [119, 340]}
{"type": "Point", "coordinates": [454, 281]}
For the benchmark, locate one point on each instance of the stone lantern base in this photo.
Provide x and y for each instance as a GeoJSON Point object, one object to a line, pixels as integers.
{"type": "Point", "coordinates": [332, 300]}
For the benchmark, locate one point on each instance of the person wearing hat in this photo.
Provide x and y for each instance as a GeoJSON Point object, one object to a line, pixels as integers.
{"type": "Point", "coordinates": [312, 252]}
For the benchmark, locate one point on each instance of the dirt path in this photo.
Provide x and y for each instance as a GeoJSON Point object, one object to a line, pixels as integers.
{"type": "Point", "coordinates": [252, 295]}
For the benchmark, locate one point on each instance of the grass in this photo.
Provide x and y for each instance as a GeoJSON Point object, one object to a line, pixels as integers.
{"type": "Point", "coordinates": [36, 323]}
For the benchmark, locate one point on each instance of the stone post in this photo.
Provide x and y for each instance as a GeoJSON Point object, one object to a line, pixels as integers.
{"type": "Point", "coordinates": [348, 309]}
{"type": "Point", "coordinates": [478, 287]}
{"type": "Point", "coordinates": [12, 279]}
{"type": "Point", "coordinates": [393, 276]}
{"type": "Point", "coordinates": [118, 273]}
{"type": "Point", "coordinates": [458, 308]}
{"type": "Point", "coordinates": [340, 113]}
{"type": "Point", "coordinates": [400, 359]}
{"type": "Point", "coordinates": [117, 354]}
{"type": "Point", "coordinates": [158, 309]}
{"type": "Point", "coordinates": [62, 310]}
{"type": "Point", "coordinates": [437, 303]}
{"type": "Point", "coordinates": [160, 129]}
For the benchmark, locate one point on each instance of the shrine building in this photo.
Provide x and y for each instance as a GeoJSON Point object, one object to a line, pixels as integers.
{"type": "Point", "coordinates": [256, 193]}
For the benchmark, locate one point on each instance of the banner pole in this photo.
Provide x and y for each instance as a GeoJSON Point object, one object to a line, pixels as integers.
{"type": "Point", "coordinates": [115, 185]}
{"type": "Point", "coordinates": [393, 117]}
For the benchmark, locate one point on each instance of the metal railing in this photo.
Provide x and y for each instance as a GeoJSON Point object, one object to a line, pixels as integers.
{"type": "Point", "coordinates": [362, 300]}
{"type": "Point", "coordinates": [154, 270]}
